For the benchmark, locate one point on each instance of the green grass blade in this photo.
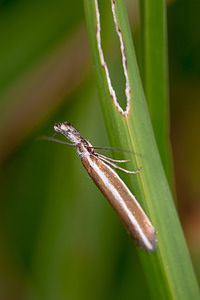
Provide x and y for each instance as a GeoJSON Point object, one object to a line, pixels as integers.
{"type": "Point", "coordinates": [168, 270]}
{"type": "Point", "coordinates": [155, 75]}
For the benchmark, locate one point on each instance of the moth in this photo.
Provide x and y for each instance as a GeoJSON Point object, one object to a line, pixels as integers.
{"type": "Point", "coordinates": [101, 169]}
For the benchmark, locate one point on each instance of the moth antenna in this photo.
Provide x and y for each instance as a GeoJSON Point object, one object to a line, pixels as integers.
{"type": "Point", "coordinates": [110, 148]}
{"type": "Point", "coordinates": [111, 159]}
{"type": "Point", "coordinates": [51, 139]}
{"type": "Point", "coordinates": [117, 149]}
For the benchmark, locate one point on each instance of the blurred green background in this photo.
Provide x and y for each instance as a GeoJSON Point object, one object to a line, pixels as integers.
{"type": "Point", "coordinates": [59, 238]}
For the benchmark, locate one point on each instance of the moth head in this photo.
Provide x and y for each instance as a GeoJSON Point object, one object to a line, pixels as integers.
{"type": "Point", "coordinates": [82, 150]}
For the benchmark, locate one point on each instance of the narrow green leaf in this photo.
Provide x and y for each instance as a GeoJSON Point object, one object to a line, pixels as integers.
{"type": "Point", "coordinates": [155, 75]}
{"type": "Point", "coordinates": [168, 270]}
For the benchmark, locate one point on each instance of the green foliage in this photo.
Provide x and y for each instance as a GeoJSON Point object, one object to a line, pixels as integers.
{"type": "Point", "coordinates": [59, 238]}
